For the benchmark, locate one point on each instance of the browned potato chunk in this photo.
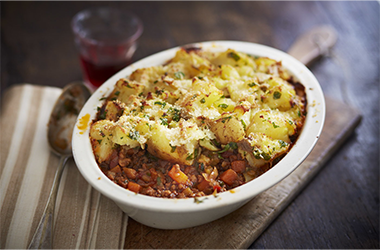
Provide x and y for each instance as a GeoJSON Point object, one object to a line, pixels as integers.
{"type": "Point", "coordinates": [227, 129]}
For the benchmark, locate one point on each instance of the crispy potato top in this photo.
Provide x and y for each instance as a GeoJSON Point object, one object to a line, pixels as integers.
{"type": "Point", "coordinates": [202, 101]}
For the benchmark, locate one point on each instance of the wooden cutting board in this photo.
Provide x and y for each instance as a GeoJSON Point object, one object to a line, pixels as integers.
{"type": "Point", "coordinates": [245, 225]}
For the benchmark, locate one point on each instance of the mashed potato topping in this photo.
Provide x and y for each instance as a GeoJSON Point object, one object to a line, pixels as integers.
{"type": "Point", "coordinates": [203, 110]}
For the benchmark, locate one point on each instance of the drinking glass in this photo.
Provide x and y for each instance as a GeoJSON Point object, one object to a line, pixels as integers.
{"type": "Point", "coordinates": [106, 39]}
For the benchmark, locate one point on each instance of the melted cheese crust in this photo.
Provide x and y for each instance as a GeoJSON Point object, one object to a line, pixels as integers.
{"type": "Point", "coordinates": [203, 101]}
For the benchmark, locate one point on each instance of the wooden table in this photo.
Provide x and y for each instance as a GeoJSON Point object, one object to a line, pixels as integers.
{"type": "Point", "coordinates": [340, 206]}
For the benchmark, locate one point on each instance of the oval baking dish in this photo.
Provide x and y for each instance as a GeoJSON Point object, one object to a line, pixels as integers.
{"type": "Point", "coordinates": [186, 212]}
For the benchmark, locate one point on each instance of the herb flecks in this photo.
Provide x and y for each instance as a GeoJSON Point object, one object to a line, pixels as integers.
{"type": "Point", "coordinates": [234, 56]}
{"type": "Point", "coordinates": [134, 134]}
{"type": "Point", "coordinates": [276, 95]}
{"type": "Point", "coordinates": [252, 84]}
{"type": "Point", "coordinates": [282, 144]}
{"type": "Point", "coordinates": [179, 75]}
{"type": "Point", "coordinates": [162, 104]}
{"type": "Point", "coordinates": [230, 145]}
{"type": "Point", "coordinates": [164, 121]}
{"type": "Point", "coordinates": [258, 154]}
{"type": "Point", "coordinates": [244, 124]}
{"type": "Point", "coordinates": [223, 106]}
{"type": "Point", "coordinates": [274, 125]}
{"type": "Point", "coordinates": [226, 119]}
{"type": "Point", "coordinates": [176, 114]}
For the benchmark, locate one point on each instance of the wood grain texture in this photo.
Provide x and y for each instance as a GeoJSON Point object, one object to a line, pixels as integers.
{"type": "Point", "coordinates": [339, 208]}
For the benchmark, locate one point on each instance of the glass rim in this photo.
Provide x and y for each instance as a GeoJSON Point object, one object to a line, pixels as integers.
{"type": "Point", "coordinates": [132, 38]}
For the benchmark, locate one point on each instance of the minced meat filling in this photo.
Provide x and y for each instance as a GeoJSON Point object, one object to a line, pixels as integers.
{"type": "Point", "coordinates": [141, 172]}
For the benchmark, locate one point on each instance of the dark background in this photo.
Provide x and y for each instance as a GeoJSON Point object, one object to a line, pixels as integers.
{"type": "Point", "coordinates": [340, 207]}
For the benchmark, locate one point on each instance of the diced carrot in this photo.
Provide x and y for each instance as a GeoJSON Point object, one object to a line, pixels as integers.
{"type": "Point", "coordinates": [134, 187]}
{"type": "Point", "coordinates": [177, 175]}
{"type": "Point", "coordinates": [130, 172]}
{"type": "Point", "coordinates": [238, 166]}
{"type": "Point", "coordinates": [229, 176]}
{"type": "Point", "coordinates": [203, 185]}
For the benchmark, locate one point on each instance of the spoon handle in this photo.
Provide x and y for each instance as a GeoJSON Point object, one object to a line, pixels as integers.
{"type": "Point", "coordinates": [313, 44]}
{"type": "Point", "coordinates": [43, 236]}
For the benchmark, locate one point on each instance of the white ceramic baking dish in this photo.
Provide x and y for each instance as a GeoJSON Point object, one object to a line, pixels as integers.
{"type": "Point", "coordinates": [182, 213]}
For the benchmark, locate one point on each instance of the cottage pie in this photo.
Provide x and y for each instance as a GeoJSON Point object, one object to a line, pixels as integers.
{"type": "Point", "coordinates": [202, 123]}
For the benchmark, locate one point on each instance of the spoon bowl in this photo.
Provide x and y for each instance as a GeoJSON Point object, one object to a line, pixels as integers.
{"type": "Point", "coordinates": [64, 115]}
{"type": "Point", "coordinates": [60, 127]}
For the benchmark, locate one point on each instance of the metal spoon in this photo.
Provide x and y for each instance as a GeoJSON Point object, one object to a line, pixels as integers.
{"type": "Point", "coordinates": [60, 127]}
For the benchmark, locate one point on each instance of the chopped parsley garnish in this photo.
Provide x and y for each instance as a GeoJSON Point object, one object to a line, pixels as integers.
{"type": "Point", "coordinates": [274, 125]}
{"type": "Point", "coordinates": [164, 121]}
{"type": "Point", "coordinates": [189, 157]}
{"type": "Point", "coordinates": [243, 123]}
{"type": "Point", "coordinates": [234, 56]}
{"type": "Point", "coordinates": [224, 119]}
{"type": "Point", "coordinates": [159, 91]}
{"type": "Point", "coordinates": [202, 166]}
{"type": "Point", "coordinates": [99, 141]}
{"type": "Point", "coordinates": [252, 84]}
{"type": "Point", "coordinates": [223, 106]}
{"type": "Point", "coordinates": [230, 145]}
{"type": "Point", "coordinates": [127, 84]}
{"type": "Point", "coordinates": [220, 157]}
{"type": "Point", "coordinates": [276, 95]}
{"type": "Point", "coordinates": [192, 155]}
{"type": "Point", "coordinates": [179, 75]}
{"type": "Point", "coordinates": [102, 115]}
{"type": "Point", "coordinates": [215, 143]}
{"type": "Point", "coordinates": [117, 93]}
{"type": "Point", "coordinates": [173, 148]}
{"type": "Point", "coordinates": [203, 100]}
{"type": "Point", "coordinates": [134, 134]}
{"type": "Point", "coordinates": [258, 154]}
{"type": "Point", "coordinates": [176, 114]}
{"type": "Point", "coordinates": [282, 143]}
{"type": "Point", "coordinates": [163, 104]}
{"type": "Point", "coordinates": [221, 183]}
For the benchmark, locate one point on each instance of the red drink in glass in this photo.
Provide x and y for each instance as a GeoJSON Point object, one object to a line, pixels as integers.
{"type": "Point", "coordinates": [106, 40]}
{"type": "Point", "coordinates": [98, 74]}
